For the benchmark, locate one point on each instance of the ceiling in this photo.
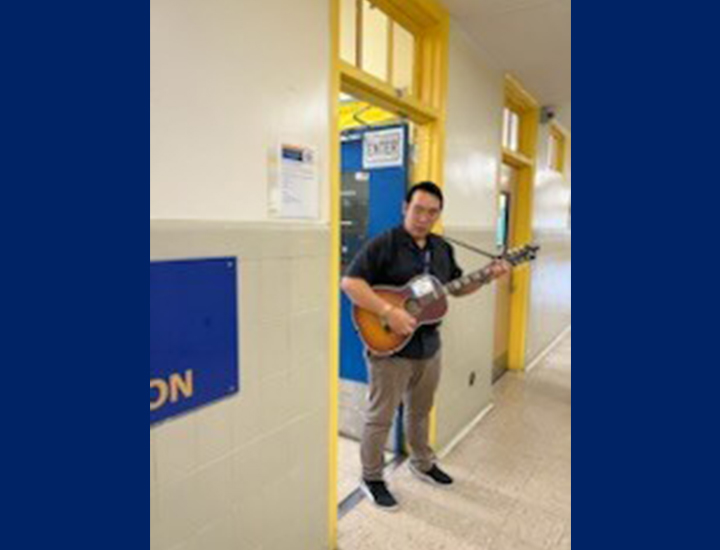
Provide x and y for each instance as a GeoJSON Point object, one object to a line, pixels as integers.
{"type": "Point", "coordinates": [528, 38]}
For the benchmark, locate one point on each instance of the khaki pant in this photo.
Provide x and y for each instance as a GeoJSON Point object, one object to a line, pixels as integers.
{"type": "Point", "coordinates": [396, 380]}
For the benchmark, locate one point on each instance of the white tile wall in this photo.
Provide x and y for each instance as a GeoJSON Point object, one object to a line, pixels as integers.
{"type": "Point", "coordinates": [551, 291]}
{"type": "Point", "coordinates": [468, 334]}
{"type": "Point", "coordinates": [239, 474]}
{"type": "Point", "coordinates": [551, 287]}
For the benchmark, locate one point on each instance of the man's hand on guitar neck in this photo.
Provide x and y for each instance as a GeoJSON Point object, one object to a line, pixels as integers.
{"type": "Point", "coordinates": [500, 268]}
{"type": "Point", "coordinates": [400, 321]}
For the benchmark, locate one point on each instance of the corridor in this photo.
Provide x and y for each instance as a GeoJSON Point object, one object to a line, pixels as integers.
{"type": "Point", "coordinates": [513, 478]}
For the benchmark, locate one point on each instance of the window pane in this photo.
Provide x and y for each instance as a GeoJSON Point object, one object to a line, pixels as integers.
{"type": "Point", "coordinates": [348, 31]}
{"type": "Point", "coordinates": [403, 59]}
{"type": "Point", "coordinates": [503, 222]}
{"type": "Point", "coordinates": [506, 128]}
{"type": "Point", "coordinates": [375, 41]}
{"type": "Point", "coordinates": [514, 131]}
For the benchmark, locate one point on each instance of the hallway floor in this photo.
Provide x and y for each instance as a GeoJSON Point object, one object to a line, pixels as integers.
{"type": "Point", "coordinates": [513, 478]}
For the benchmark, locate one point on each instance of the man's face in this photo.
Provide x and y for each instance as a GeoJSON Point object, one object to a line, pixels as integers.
{"type": "Point", "coordinates": [421, 214]}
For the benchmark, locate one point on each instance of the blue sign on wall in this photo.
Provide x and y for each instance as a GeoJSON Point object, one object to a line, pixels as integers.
{"type": "Point", "coordinates": [194, 327]}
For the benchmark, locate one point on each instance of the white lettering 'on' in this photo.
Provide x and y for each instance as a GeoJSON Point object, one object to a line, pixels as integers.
{"type": "Point", "coordinates": [172, 390]}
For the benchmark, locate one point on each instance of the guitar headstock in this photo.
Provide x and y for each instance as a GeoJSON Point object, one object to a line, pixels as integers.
{"type": "Point", "coordinates": [521, 255]}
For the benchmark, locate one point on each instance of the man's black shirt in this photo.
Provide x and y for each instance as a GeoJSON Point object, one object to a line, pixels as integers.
{"type": "Point", "coordinates": [394, 258]}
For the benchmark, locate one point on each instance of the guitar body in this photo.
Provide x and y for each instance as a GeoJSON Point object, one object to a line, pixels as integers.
{"type": "Point", "coordinates": [423, 298]}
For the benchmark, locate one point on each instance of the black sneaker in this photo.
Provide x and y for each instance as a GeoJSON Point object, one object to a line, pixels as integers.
{"type": "Point", "coordinates": [378, 493]}
{"type": "Point", "coordinates": [434, 476]}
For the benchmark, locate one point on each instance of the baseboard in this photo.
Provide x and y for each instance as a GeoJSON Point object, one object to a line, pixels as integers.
{"type": "Point", "coordinates": [539, 359]}
{"type": "Point", "coordinates": [466, 431]}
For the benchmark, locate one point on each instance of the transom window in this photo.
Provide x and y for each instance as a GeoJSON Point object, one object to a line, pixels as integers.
{"type": "Point", "coordinates": [376, 44]}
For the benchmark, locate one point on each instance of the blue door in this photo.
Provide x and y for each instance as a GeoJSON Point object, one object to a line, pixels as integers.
{"type": "Point", "coordinates": [374, 183]}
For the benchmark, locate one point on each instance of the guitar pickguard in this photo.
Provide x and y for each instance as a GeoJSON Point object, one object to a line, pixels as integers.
{"type": "Point", "coordinates": [422, 287]}
{"type": "Point", "coordinates": [426, 299]}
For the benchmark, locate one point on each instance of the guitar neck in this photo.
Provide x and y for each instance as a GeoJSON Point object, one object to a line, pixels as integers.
{"type": "Point", "coordinates": [482, 276]}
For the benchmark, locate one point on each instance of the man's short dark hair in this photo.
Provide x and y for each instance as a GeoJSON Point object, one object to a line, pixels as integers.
{"type": "Point", "coordinates": [428, 187]}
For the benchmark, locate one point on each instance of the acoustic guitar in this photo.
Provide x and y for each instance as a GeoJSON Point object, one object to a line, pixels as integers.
{"type": "Point", "coordinates": [425, 298]}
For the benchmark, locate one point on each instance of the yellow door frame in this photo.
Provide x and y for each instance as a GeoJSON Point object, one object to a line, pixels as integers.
{"type": "Point", "coordinates": [522, 102]}
{"type": "Point", "coordinates": [560, 134]}
{"type": "Point", "coordinates": [430, 24]}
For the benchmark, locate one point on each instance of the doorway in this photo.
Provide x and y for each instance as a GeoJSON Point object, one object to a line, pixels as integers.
{"type": "Point", "coordinates": [392, 54]}
{"type": "Point", "coordinates": [375, 165]}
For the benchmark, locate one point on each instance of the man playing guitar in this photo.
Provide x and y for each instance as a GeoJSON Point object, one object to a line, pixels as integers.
{"type": "Point", "coordinates": [411, 374]}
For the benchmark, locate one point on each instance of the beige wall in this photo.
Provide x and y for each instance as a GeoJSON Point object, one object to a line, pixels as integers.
{"type": "Point", "coordinates": [251, 472]}
{"type": "Point", "coordinates": [473, 153]}
{"type": "Point", "coordinates": [468, 339]}
{"type": "Point", "coordinates": [551, 286]}
{"type": "Point", "coordinates": [229, 81]}
{"type": "Point", "coordinates": [564, 114]}
{"type": "Point", "coordinates": [551, 291]}
{"type": "Point", "coordinates": [552, 190]}
{"type": "Point", "coordinates": [474, 133]}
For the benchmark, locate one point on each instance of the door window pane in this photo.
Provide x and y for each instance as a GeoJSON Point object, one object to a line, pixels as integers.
{"type": "Point", "coordinates": [403, 59]}
{"type": "Point", "coordinates": [375, 41]}
{"type": "Point", "coordinates": [348, 31]}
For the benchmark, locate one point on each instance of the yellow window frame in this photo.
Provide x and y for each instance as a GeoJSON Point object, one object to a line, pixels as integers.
{"type": "Point", "coordinates": [559, 152]}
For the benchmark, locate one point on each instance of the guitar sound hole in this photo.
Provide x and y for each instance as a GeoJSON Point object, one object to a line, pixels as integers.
{"type": "Point", "coordinates": [413, 307]}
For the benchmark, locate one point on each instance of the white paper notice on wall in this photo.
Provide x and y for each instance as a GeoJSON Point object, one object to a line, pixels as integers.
{"type": "Point", "coordinates": [384, 149]}
{"type": "Point", "coordinates": [295, 189]}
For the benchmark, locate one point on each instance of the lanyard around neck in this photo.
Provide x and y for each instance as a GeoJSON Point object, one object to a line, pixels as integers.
{"type": "Point", "coordinates": [426, 260]}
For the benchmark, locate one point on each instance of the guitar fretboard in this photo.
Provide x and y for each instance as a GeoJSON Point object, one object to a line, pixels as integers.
{"type": "Point", "coordinates": [482, 276]}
